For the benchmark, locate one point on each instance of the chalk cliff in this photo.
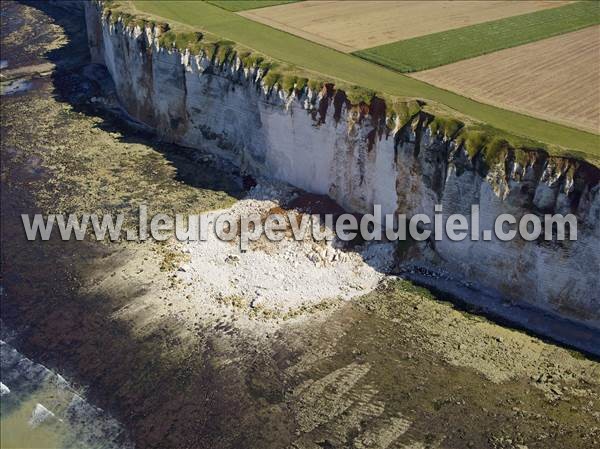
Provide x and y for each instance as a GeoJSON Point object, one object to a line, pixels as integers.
{"type": "Point", "coordinates": [318, 141]}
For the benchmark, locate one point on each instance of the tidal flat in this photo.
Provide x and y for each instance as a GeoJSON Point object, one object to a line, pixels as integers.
{"type": "Point", "coordinates": [393, 368]}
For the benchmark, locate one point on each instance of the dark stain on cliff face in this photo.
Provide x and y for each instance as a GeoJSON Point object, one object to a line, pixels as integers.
{"type": "Point", "coordinates": [145, 108]}
{"type": "Point", "coordinates": [326, 94]}
{"type": "Point", "coordinates": [377, 111]}
{"type": "Point", "coordinates": [422, 119]}
{"type": "Point", "coordinates": [339, 100]}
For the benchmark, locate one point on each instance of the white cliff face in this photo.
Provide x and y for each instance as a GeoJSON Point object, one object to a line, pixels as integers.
{"type": "Point", "coordinates": [319, 143]}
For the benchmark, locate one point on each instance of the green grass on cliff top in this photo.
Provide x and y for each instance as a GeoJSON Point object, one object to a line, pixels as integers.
{"type": "Point", "coordinates": [352, 70]}
{"type": "Point", "coordinates": [243, 5]}
{"type": "Point", "coordinates": [434, 50]}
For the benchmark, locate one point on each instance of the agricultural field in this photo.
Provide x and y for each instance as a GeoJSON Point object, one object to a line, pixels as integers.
{"type": "Point", "coordinates": [557, 79]}
{"type": "Point", "coordinates": [242, 5]}
{"type": "Point", "coordinates": [327, 63]}
{"type": "Point", "coordinates": [355, 25]}
{"type": "Point", "coordinates": [437, 49]}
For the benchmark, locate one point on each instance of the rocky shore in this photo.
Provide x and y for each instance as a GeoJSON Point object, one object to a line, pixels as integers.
{"type": "Point", "coordinates": [180, 366]}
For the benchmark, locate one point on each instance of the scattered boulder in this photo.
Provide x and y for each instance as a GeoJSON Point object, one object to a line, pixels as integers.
{"type": "Point", "coordinates": [232, 259]}
{"type": "Point", "coordinates": [39, 415]}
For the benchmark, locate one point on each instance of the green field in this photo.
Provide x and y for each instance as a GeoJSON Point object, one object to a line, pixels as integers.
{"type": "Point", "coordinates": [243, 5]}
{"type": "Point", "coordinates": [332, 64]}
{"type": "Point", "coordinates": [434, 50]}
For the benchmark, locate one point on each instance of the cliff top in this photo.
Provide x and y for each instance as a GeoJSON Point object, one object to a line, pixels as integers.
{"type": "Point", "coordinates": [291, 62]}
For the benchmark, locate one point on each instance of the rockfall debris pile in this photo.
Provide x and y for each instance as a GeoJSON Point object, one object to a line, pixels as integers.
{"type": "Point", "coordinates": [280, 275]}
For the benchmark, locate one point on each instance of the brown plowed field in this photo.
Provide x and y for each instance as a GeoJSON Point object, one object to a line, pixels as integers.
{"type": "Point", "coordinates": [354, 25]}
{"type": "Point", "coordinates": [557, 79]}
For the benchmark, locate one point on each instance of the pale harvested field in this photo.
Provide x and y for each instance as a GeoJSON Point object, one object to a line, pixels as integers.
{"type": "Point", "coordinates": [355, 25]}
{"type": "Point", "coordinates": [556, 79]}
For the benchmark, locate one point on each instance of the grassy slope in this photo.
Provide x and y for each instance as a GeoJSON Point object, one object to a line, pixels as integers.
{"type": "Point", "coordinates": [334, 64]}
{"type": "Point", "coordinates": [443, 48]}
{"type": "Point", "coordinates": [243, 5]}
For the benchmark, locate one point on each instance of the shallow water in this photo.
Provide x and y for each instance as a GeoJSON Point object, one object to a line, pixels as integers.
{"type": "Point", "coordinates": [40, 409]}
{"type": "Point", "coordinates": [15, 87]}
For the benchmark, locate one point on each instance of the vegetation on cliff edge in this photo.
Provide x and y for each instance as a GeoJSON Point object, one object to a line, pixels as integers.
{"type": "Point", "coordinates": [289, 76]}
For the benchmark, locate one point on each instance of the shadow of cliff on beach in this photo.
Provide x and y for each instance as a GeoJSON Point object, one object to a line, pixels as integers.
{"type": "Point", "coordinates": [167, 393]}
{"type": "Point", "coordinates": [86, 86]}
